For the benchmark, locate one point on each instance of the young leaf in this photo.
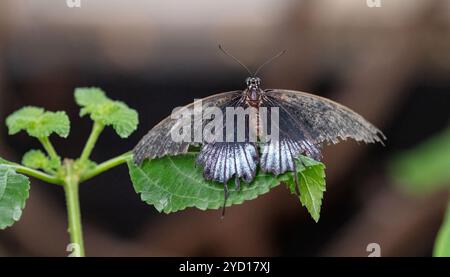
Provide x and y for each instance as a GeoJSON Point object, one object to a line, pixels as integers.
{"type": "Point", "coordinates": [176, 183]}
{"type": "Point", "coordinates": [442, 244]}
{"type": "Point", "coordinates": [14, 191]}
{"type": "Point", "coordinates": [89, 97]}
{"type": "Point", "coordinates": [38, 123]}
{"type": "Point", "coordinates": [311, 178]}
{"type": "Point", "coordinates": [101, 109]}
{"type": "Point", "coordinates": [35, 159]}
{"type": "Point", "coordinates": [38, 160]}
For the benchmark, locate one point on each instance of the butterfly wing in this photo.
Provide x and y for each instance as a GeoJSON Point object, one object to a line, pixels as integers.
{"type": "Point", "coordinates": [223, 160]}
{"type": "Point", "coordinates": [321, 120]}
{"type": "Point", "coordinates": [305, 122]}
{"type": "Point", "coordinates": [231, 155]}
{"type": "Point", "coordinates": [158, 141]}
{"type": "Point", "coordinates": [235, 156]}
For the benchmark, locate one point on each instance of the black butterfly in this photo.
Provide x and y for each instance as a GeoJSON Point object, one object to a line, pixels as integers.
{"type": "Point", "coordinates": [305, 122]}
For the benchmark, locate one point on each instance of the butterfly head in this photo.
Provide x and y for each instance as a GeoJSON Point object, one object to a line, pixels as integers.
{"type": "Point", "coordinates": [253, 91]}
{"type": "Point", "coordinates": [253, 82]}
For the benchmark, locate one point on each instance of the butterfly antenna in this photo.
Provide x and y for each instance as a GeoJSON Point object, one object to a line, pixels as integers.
{"type": "Point", "coordinates": [269, 61]}
{"type": "Point", "coordinates": [235, 59]}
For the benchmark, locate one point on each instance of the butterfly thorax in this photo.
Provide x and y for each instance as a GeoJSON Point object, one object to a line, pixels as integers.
{"type": "Point", "coordinates": [253, 92]}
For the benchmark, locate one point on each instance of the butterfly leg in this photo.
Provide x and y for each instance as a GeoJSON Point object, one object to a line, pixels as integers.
{"type": "Point", "coordinates": [297, 185]}
{"type": "Point", "coordinates": [225, 198]}
{"type": "Point", "coordinates": [238, 183]}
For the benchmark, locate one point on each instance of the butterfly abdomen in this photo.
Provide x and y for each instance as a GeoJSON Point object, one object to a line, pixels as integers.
{"type": "Point", "coordinates": [253, 97]}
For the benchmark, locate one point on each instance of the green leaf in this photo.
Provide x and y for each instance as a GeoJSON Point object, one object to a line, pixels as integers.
{"type": "Point", "coordinates": [174, 183]}
{"type": "Point", "coordinates": [426, 167]}
{"type": "Point", "coordinates": [101, 109]}
{"type": "Point", "coordinates": [35, 159]}
{"type": "Point", "coordinates": [442, 244]}
{"type": "Point", "coordinates": [311, 178]}
{"type": "Point", "coordinates": [39, 160]}
{"type": "Point", "coordinates": [88, 97]}
{"type": "Point", "coordinates": [14, 191]}
{"type": "Point", "coordinates": [38, 123]}
{"type": "Point", "coordinates": [3, 161]}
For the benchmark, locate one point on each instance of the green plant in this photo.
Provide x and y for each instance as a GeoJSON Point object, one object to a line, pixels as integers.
{"type": "Point", "coordinates": [170, 184]}
{"type": "Point", "coordinates": [426, 169]}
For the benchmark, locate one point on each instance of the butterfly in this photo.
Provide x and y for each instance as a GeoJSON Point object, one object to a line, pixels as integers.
{"type": "Point", "coordinates": [305, 122]}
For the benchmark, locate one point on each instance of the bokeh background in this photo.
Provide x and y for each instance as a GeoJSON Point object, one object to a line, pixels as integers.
{"type": "Point", "coordinates": [389, 63]}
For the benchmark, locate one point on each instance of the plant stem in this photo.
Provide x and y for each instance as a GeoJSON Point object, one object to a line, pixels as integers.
{"type": "Point", "coordinates": [105, 166]}
{"type": "Point", "coordinates": [90, 144]}
{"type": "Point", "coordinates": [45, 141]}
{"type": "Point", "coordinates": [71, 184]}
{"type": "Point", "coordinates": [37, 174]}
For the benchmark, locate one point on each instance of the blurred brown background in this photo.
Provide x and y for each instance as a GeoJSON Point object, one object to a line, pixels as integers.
{"type": "Point", "coordinates": [389, 63]}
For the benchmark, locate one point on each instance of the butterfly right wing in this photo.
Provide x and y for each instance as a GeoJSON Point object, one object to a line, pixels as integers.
{"type": "Point", "coordinates": [318, 119]}
{"type": "Point", "coordinates": [305, 122]}
{"type": "Point", "coordinates": [278, 153]}
{"type": "Point", "coordinates": [159, 142]}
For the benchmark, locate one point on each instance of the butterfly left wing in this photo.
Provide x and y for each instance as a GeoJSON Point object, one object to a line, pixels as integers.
{"type": "Point", "coordinates": [223, 160]}
{"type": "Point", "coordinates": [234, 153]}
